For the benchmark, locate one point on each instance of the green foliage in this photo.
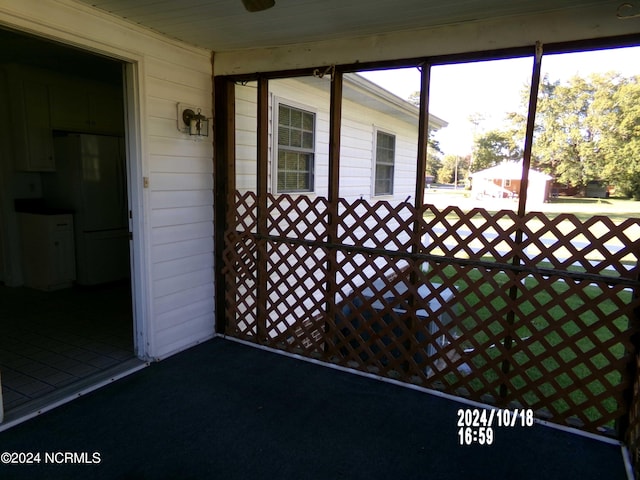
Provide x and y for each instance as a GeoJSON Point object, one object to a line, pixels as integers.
{"type": "Point", "coordinates": [434, 164]}
{"type": "Point", "coordinates": [620, 147]}
{"type": "Point", "coordinates": [494, 147]}
{"type": "Point", "coordinates": [414, 98]}
{"type": "Point", "coordinates": [588, 129]}
{"type": "Point", "coordinates": [449, 165]}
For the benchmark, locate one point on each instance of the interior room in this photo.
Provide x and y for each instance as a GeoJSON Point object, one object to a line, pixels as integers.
{"type": "Point", "coordinates": [65, 291]}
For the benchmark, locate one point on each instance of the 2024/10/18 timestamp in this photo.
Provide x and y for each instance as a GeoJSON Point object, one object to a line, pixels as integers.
{"type": "Point", "coordinates": [477, 435]}
{"type": "Point", "coordinates": [476, 425]}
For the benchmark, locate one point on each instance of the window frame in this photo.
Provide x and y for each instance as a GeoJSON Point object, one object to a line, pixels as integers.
{"type": "Point", "coordinates": [277, 102]}
{"type": "Point", "coordinates": [376, 132]}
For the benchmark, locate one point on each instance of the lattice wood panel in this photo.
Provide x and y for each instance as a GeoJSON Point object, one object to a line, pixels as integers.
{"type": "Point", "coordinates": [296, 289]}
{"type": "Point", "coordinates": [240, 257]}
{"type": "Point", "coordinates": [384, 227]}
{"type": "Point", "coordinates": [302, 218]}
{"type": "Point", "coordinates": [597, 245]}
{"type": "Point", "coordinates": [529, 312]}
{"type": "Point", "coordinates": [476, 234]}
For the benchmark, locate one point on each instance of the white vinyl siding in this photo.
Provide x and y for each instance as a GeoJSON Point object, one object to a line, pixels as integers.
{"type": "Point", "coordinates": [181, 208]}
{"type": "Point", "coordinates": [385, 156]}
{"type": "Point", "coordinates": [246, 137]}
{"type": "Point", "coordinates": [356, 146]}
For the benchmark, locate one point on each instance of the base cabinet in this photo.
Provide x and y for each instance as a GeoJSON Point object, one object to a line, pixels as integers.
{"type": "Point", "coordinates": [48, 250]}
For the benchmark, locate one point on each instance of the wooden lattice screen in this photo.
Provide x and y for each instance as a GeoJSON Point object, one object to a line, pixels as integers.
{"type": "Point", "coordinates": [531, 312]}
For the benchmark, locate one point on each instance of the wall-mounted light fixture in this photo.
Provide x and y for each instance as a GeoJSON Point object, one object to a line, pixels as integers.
{"type": "Point", "coordinates": [191, 121]}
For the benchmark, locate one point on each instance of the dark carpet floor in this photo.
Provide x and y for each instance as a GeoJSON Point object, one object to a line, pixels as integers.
{"type": "Point", "coordinates": [227, 411]}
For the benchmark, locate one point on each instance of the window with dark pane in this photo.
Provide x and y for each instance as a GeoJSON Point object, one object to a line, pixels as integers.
{"type": "Point", "coordinates": [385, 160]}
{"type": "Point", "coordinates": [296, 142]}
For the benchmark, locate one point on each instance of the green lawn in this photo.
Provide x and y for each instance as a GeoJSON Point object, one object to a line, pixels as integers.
{"type": "Point", "coordinates": [615, 209]}
{"type": "Point", "coordinates": [558, 328]}
{"type": "Point", "coordinates": [618, 209]}
{"type": "Point", "coordinates": [560, 341]}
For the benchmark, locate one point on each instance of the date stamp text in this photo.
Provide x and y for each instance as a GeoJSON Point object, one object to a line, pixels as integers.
{"type": "Point", "coordinates": [476, 426]}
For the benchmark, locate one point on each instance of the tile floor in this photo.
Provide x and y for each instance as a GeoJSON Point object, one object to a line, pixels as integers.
{"type": "Point", "coordinates": [49, 340]}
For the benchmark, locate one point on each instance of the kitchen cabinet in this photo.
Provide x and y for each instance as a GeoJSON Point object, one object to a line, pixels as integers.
{"type": "Point", "coordinates": [87, 108]}
{"type": "Point", "coordinates": [39, 155]}
{"type": "Point", "coordinates": [30, 120]}
{"type": "Point", "coordinates": [48, 250]}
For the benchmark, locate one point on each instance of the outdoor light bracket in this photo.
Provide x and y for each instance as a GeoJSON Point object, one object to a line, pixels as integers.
{"type": "Point", "coordinates": [191, 121]}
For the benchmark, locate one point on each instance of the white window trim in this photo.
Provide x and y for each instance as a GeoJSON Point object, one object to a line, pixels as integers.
{"type": "Point", "coordinates": [277, 100]}
{"type": "Point", "coordinates": [374, 162]}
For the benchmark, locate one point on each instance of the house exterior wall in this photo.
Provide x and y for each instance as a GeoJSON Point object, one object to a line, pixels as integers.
{"type": "Point", "coordinates": [172, 217]}
{"type": "Point", "coordinates": [359, 126]}
{"type": "Point", "coordinates": [357, 152]}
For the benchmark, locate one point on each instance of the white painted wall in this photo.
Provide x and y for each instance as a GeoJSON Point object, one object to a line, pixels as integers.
{"type": "Point", "coordinates": [172, 218]}
{"type": "Point", "coordinates": [357, 149]}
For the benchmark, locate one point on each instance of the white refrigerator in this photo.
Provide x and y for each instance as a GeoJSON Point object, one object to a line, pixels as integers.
{"type": "Point", "coordinates": [90, 180]}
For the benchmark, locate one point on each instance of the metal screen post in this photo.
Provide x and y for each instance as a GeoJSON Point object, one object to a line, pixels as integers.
{"type": "Point", "coordinates": [421, 167]}
{"type": "Point", "coordinates": [522, 201]}
{"type": "Point", "coordinates": [224, 186]}
{"type": "Point", "coordinates": [262, 231]}
{"type": "Point", "coordinates": [335, 113]}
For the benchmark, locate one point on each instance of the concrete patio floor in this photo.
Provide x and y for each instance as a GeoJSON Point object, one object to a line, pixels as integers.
{"type": "Point", "coordinates": [225, 410]}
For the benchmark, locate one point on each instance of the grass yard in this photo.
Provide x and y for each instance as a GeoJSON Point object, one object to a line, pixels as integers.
{"type": "Point", "coordinates": [617, 209]}
{"type": "Point", "coordinates": [568, 351]}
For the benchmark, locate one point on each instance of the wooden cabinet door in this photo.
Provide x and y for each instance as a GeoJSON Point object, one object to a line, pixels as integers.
{"type": "Point", "coordinates": [37, 143]}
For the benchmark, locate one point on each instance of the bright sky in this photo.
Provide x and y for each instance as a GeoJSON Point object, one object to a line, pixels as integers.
{"type": "Point", "coordinates": [493, 88]}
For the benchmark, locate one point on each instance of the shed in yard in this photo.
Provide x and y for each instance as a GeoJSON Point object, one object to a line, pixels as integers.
{"type": "Point", "coordinates": [504, 181]}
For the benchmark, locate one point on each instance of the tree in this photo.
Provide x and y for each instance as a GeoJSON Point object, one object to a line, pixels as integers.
{"type": "Point", "coordinates": [494, 147]}
{"type": "Point", "coordinates": [563, 139]}
{"type": "Point", "coordinates": [434, 163]}
{"type": "Point", "coordinates": [618, 124]}
{"type": "Point", "coordinates": [588, 129]}
{"type": "Point", "coordinates": [414, 98]}
{"type": "Point", "coordinates": [452, 164]}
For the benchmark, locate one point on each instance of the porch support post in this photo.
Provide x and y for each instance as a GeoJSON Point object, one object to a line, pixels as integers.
{"type": "Point", "coordinates": [224, 186]}
{"type": "Point", "coordinates": [423, 137]}
{"type": "Point", "coordinates": [421, 167]}
{"type": "Point", "coordinates": [522, 202]}
{"type": "Point", "coordinates": [528, 138]}
{"type": "Point", "coordinates": [421, 161]}
{"type": "Point", "coordinates": [631, 395]}
{"type": "Point", "coordinates": [335, 114]}
{"type": "Point", "coordinates": [262, 170]}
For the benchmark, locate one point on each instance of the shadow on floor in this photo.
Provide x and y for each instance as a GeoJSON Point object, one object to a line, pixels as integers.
{"type": "Point", "coordinates": [229, 411]}
{"type": "Point", "coordinates": [49, 340]}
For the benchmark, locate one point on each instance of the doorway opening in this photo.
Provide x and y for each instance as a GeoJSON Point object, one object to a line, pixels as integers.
{"type": "Point", "coordinates": [66, 307]}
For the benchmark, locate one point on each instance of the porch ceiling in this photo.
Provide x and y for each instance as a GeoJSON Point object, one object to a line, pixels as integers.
{"type": "Point", "coordinates": [224, 25]}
